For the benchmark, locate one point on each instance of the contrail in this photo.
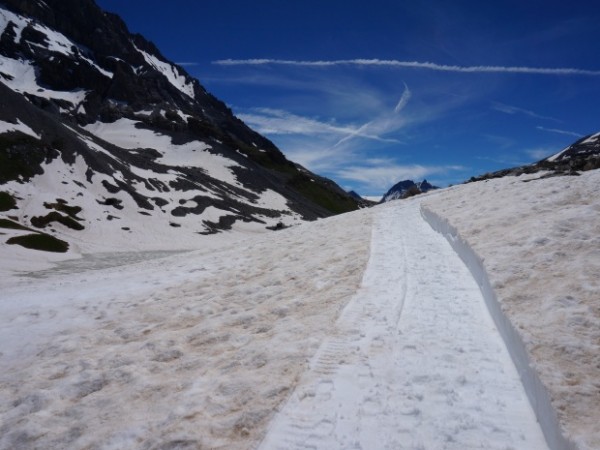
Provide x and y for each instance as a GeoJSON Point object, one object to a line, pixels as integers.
{"type": "Point", "coordinates": [403, 100]}
{"type": "Point", "coordinates": [411, 65]}
{"type": "Point", "coordinates": [554, 130]}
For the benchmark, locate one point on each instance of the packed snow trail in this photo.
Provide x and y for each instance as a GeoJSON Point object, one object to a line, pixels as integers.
{"type": "Point", "coordinates": [415, 361]}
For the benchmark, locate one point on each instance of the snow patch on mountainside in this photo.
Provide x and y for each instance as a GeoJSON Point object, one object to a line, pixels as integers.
{"type": "Point", "coordinates": [7, 17]}
{"type": "Point", "coordinates": [6, 127]}
{"type": "Point", "coordinates": [125, 134]}
{"type": "Point", "coordinates": [171, 72]}
{"type": "Point", "coordinates": [54, 41]}
{"type": "Point", "coordinates": [591, 139]}
{"type": "Point", "coordinates": [21, 78]}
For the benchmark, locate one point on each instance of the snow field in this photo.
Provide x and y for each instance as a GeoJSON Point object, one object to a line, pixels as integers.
{"type": "Point", "coordinates": [414, 361]}
{"type": "Point", "coordinates": [195, 350]}
{"type": "Point", "coordinates": [203, 348]}
{"type": "Point", "coordinates": [539, 242]}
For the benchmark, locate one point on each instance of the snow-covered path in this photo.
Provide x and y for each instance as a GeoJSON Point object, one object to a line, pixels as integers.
{"type": "Point", "coordinates": [414, 362]}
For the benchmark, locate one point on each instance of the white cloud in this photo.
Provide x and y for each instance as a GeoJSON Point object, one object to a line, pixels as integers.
{"type": "Point", "coordinates": [383, 175]}
{"type": "Point", "coordinates": [412, 65]}
{"type": "Point", "coordinates": [337, 148]}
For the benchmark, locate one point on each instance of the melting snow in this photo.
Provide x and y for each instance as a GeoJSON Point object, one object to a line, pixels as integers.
{"type": "Point", "coordinates": [175, 349]}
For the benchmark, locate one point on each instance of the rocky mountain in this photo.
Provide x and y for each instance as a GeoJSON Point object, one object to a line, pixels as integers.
{"type": "Point", "coordinates": [407, 188]}
{"type": "Point", "coordinates": [101, 137]}
{"type": "Point", "coordinates": [580, 156]}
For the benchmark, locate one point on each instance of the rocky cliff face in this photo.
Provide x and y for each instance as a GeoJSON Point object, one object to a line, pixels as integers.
{"type": "Point", "coordinates": [95, 118]}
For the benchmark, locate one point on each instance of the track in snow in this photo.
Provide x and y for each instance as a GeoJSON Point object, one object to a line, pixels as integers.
{"type": "Point", "coordinates": [415, 361]}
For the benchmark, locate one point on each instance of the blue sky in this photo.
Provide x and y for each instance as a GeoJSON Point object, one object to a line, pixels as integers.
{"type": "Point", "coordinates": [371, 93]}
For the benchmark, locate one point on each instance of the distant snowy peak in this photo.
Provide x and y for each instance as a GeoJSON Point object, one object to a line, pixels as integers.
{"type": "Point", "coordinates": [407, 188]}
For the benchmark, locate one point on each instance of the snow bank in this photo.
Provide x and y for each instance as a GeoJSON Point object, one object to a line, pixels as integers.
{"type": "Point", "coordinates": [538, 241]}
{"type": "Point", "coordinates": [537, 393]}
{"type": "Point", "coordinates": [414, 360]}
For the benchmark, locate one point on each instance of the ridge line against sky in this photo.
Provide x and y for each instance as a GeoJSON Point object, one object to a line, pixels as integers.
{"type": "Point", "coordinates": [410, 64]}
{"type": "Point", "coordinates": [447, 90]}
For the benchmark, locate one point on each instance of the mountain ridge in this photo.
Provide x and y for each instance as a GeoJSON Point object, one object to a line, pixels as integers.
{"type": "Point", "coordinates": [90, 110]}
{"type": "Point", "coordinates": [581, 156]}
{"type": "Point", "coordinates": [407, 188]}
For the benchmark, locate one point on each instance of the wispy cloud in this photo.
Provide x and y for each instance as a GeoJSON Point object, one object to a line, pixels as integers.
{"type": "Point", "coordinates": [380, 175]}
{"type": "Point", "coordinates": [508, 109]}
{"type": "Point", "coordinates": [275, 121]}
{"type": "Point", "coordinates": [385, 123]}
{"type": "Point", "coordinates": [412, 65]}
{"type": "Point", "coordinates": [335, 146]}
{"type": "Point", "coordinates": [537, 154]}
{"type": "Point", "coordinates": [554, 130]}
{"type": "Point", "coordinates": [187, 64]}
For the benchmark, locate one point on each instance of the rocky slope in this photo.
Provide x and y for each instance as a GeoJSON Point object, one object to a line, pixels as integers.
{"type": "Point", "coordinates": [100, 131]}
{"type": "Point", "coordinates": [581, 156]}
